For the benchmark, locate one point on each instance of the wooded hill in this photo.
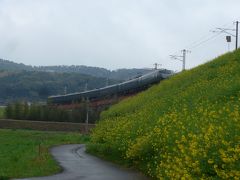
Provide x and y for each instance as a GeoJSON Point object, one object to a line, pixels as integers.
{"type": "Point", "coordinates": [31, 83]}
{"type": "Point", "coordinates": [37, 86]}
{"type": "Point", "coordinates": [120, 74]}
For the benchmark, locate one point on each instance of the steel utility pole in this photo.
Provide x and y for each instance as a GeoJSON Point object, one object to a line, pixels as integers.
{"type": "Point", "coordinates": [156, 65]}
{"type": "Point", "coordinates": [237, 22]}
{"type": "Point", "coordinates": [227, 31]}
{"type": "Point", "coordinates": [65, 90]}
{"type": "Point", "coordinates": [107, 78]}
{"type": "Point", "coordinates": [181, 58]}
{"type": "Point", "coordinates": [184, 59]}
{"type": "Point", "coordinates": [107, 83]}
{"type": "Point", "coordinates": [87, 114]}
{"type": "Point", "coordinates": [86, 86]}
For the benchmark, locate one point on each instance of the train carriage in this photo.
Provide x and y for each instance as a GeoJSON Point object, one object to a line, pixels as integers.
{"type": "Point", "coordinates": [130, 86]}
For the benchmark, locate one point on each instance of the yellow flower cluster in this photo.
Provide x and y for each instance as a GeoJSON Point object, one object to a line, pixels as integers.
{"type": "Point", "coordinates": [188, 127]}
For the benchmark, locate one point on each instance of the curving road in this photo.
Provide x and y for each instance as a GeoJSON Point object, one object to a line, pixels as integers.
{"type": "Point", "coordinates": [77, 165]}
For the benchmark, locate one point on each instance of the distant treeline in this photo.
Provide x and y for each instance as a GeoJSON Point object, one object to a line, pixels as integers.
{"type": "Point", "coordinates": [119, 74]}
{"type": "Point", "coordinates": [37, 112]}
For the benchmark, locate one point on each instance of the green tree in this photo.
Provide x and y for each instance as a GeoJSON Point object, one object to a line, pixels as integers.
{"type": "Point", "coordinates": [9, 111]}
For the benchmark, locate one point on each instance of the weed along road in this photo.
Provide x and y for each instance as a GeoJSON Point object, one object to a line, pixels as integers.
{"type": "Point", "coordinates": [78, 165]}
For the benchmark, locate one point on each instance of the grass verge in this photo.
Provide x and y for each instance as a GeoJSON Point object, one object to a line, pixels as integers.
{"type": "Point", "coordinates": [20, 155]}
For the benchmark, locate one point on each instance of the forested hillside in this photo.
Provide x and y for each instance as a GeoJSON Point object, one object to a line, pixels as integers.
{"type": "Point", "coordinates": [120, 74]}
{"type": "Point", "coordinates": [36, 83]}
{"type": "Point", "coordinates": [37, 86]}
{"type": "Point", "coordinates": [11, 66]}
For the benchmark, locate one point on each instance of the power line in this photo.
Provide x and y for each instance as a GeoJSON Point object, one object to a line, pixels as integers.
{"type": "Point", "coordinates": [202, 42]}
{"type": "Point", "coordinates": [229, 32]}
{"type": "Point", "coordinates": [197, 41]}
{"type": "Point", "coordinates": [205, 38]}
{"type": "Point", "coordinates": [181, 58]}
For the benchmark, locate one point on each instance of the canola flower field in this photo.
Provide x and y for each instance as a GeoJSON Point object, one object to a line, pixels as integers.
{"type": "Point", "coordinates": [186, 127]}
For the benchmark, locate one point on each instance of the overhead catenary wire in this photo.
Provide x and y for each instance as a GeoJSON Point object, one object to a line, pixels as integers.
{"type": "Point", "coordinates": [204, 39]}
{"type": "Point", "coordinates": [209, 36]}
{"type": "Point", "coordinates": [199, 40]}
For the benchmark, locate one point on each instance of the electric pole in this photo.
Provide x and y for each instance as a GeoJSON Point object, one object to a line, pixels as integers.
{"type": "Point", "coordinates": [227, 31]}
{"type": "Point", "coordinates": [107, 79]}
{"type": "Point", "coordinates": [87, 110]}
{"type": "Point", "coordinates": [87, 114]}
{"type": "Point", "coordinates": [181, 58]}
{"type": "Point", "coordinates": [65, 90]}
{"type": "Point", "coordinates": [184, 59]}
{"type": "Point", "coordinates": [237, 22]}
{"type": "Point", "coordinates": [156, 65]}
{"type": "Point", "coordinates": [86, 87]}
{"type": "Point", "coordinates": [107, 82]}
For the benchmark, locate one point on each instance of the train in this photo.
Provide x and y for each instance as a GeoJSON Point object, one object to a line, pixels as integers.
{"type": "Point", "coordinates": [128, 87]}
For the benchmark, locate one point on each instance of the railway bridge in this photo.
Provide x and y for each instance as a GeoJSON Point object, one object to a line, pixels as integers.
{"type": "Point", "coordinates": [93, 102]}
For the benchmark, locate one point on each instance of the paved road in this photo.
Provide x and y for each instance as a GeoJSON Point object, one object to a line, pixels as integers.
{"type": "Point", "coordinates": [78, 165]}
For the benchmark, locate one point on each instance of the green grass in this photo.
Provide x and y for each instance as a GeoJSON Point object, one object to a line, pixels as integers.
{"type": "Point", "coordinates": [1, 112]}
{"type": "Point", "coordinates": [186, 126]}
{"type": "Point", "coordinates": [20, 156]}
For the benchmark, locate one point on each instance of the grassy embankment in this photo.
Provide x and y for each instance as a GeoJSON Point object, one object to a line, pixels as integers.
{"type": "Point", "coordinates": [187, 126]}
{"type": "Point", "coordinates": [20, 155]}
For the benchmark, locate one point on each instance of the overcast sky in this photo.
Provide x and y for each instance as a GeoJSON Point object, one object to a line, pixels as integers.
{"type": "Point", "coordinates": [113, 33]}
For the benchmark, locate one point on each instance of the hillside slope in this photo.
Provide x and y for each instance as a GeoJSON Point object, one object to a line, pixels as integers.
{"type": "Point", "coordinates": [35, 86]}
{"type": "Point", "coordinates": [187, 126]}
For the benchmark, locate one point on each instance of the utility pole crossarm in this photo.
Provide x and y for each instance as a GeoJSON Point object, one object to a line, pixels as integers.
{"type": "Point", "coordinates": [176, 57]}
{"type": "Point", "coordinates": [223, 30]}
{"type": "Point", "coordinates": [181, 58]}
{"type": "Point", "coordinates": [226, 31]}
